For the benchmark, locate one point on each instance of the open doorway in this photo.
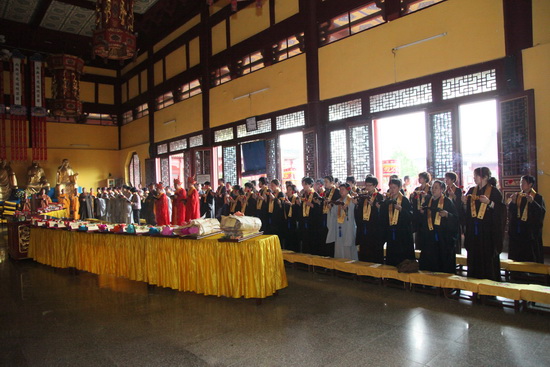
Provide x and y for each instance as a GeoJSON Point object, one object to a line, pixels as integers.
{"type": "Point", "coordinates": [292, 157]}
{"type": "Point", "coordinates": [400, 147]}
{"type": "Point", "coordinates": [478, 139]}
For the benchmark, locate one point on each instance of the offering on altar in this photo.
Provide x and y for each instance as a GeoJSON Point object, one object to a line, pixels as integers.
{"type": "Point", "coordinates": [141, 229]}
{"type": "Point", "coordinates": [235, 226]}
{"type": "Point", "coordinates": [154, 230]}
{"type": "Point", "coordinates": [167, 231]}
{"type": "Point", "coordinates": [102, 228]}
{"type": "Point", "coordinates": [200, 227]}
{"type": "Point", "coordinates": [131, 229]}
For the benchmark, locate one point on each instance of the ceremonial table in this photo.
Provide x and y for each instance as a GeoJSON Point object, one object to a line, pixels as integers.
{"type": "Point", "coordinates": [63, 213]}
{"type": "Point", "coordinates": [250, 269]}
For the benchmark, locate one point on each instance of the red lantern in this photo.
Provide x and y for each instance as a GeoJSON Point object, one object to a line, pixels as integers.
{"type": "Point", "coordinates": [113, 36]}
{"type": "Point", "coordinates": [66, 71]}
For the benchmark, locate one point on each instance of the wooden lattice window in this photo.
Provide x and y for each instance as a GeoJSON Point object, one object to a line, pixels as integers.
{"type": "Point", "coordinates": [134, 171]}
{"type": "Point", "coordinates": [203, 159]}
{"type": "Point", "coordinates": [310, 154]}
{"type": "Point", "coordinates": [338, 154]}
{"type": "Point", "coordinates": [290, 120]}
{"type": "Point", "coordinates": [165, 171]}
{"type": "Point", "coordinates": [466, 85]}
{"type": "Point", "coordinates": [179, 144]}
{"type": "Point", "coordinates": [289, 47]}
{"type": "Point", "coordinates": [162, 148]}
{"type": "Point", "coordinates": [343, 110]}
{"type": "Point", "coordinates": [271, 158]}
{"type": "Point", "coordinates": [406, 97]}
{"type": "Point", "coordinates": [360, 151]}
{"type": "Point", "coordinates": [410, 6]}
{"type": "Point", "coordinates": [264, 126]}
{"type": "Point", "coordinates": [515, 137]}
{"type": "Point", "coordinates": [150, 171]}
{"type": "Point", "coordinates": [187, 164]}
{"type": "Point", "coordinates": [441, 144]}
{"type": "Point", "coordinates": [230, 164]}
{"type": "Point", "coordinates": [223, 134]}
{"type": "Point", "coordinates": [195, 141]}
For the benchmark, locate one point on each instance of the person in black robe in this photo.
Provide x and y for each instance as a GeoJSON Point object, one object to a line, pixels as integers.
{"type": "Point", "coordinates": [439, 231]}
{"type": "Point", "coordinates": [417, 199]}
{"type": "Point", "coordinates": [261, 202]}
{"type": "Point", "coordinates": [275, 212]}
{"type": "Point", "coordinates": [526, 211]}
{"type": "Point", "coordinates": [485, 216]}
{"type": "Point", "coordinates": [455, 193]}
{"type": "Point", "coordinates": [86, 205]}
{"type": "Point", "coordinates": [219, 200]}
{"type": "Point", "coordinates": [396, 216]}
{"type": "Point", "coordinates": [248, 203]}
{"type": "Point", "coordinates": [292, 212]}
{"type": "Point", "coordinates": [312, 232]}
{"type": "Point", "coordinates": [370, 237]}
{"type": "Point", "coordinates": [233, 199]}
{"type": "Point", "coordinates": [148, 206]}
{"type": "Point", "coordinates": [207, 201]}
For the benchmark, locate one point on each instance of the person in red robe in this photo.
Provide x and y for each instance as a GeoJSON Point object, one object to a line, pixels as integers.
{"type": "Point", "coordinates": [178, 204]}
{"type": "Point", "coordinates": [192, 206]}
{"type": "Point", "coordinates": [161, 207]}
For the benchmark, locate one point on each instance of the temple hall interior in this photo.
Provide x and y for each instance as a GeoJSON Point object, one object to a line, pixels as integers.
{"type": "Point", "coordinates": [274, 182]}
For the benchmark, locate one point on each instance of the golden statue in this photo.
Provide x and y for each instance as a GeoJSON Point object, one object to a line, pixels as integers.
{"type": "Point", "coordinates": [36, 179]}
{"type": "Point", "coordinates": [8, 181]}
{"type": "Point", "coordinates": [66, 178]}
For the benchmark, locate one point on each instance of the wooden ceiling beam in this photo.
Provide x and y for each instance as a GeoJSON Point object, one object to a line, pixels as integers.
{"type": "Point", "coordinates": [40, 12]}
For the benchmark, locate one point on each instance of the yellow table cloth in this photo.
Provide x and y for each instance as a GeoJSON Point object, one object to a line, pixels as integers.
{"type": "Point", "coordinates": [250, 269]}
{"type": "Point", "coordinates": [64, 213]}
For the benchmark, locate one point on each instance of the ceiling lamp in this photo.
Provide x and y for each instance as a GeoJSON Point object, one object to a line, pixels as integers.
{"type": "Point", "coordinates": [66, 71]}
{"type": "Point", "coordinates": [234, 3]}
{"type": "Point", "coordinates": [113, 37]}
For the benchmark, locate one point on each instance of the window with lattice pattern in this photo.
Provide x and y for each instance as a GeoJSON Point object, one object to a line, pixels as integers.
{"type": "Point", "coordinates": [441, 125]}
{"type": "Point", "coordinates": [466, 85]}
{"type": "Point", "coordinates": [142, 110]}
{"type": "Point", "coordinates": [289, 47]}
{"type": "Point", "coordinates": [340, 111]}
{"type": "Point", "coordinates": [195, 141]}
{"type": "Point", "coordinates": [230, 164]}
{"type": "Point", "coordinates": [360, 151]}
{"type": "Point", "coordinates": [99, 119]}
{"type": "Point", "coordinates": [127, 117]}
{"type": "Point", "coordinates": [165, 100]}
{"type": "Point", "coordinates": [221, 75]}
{"type": "Point", "coordinates": [202, 162]}
{"type": "Point", "coordinates": [351, 22]}
{"type": "Point", "coordinates": [189, 90]}
{"type": "Point", "coordinates": [310, 153]}
{"type": "Point", "coordinates": [407, 97]}
{"type": "Point", "coordinates": [290, 120]}
{"type": "Point", "coordinates": [162, 148]}
{"type": "Point", "coordinates": [179, 144]}
{"type": "Point", "coordinates": [223, 134]}
{"type": "Point", "coordinates": [410, 6]}
{"type": "Point", "coordinates": [514, 122]}
{"type": "Point", "coordinates": [338, 154]}
{"type": "Point", "coordinates": [165, 171]}
{"type": "Point", "coordinates": [250, 63]}
{"type": "Point", "coordinates": [264, 126]}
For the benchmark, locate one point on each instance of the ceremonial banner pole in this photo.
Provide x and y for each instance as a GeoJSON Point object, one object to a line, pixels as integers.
{"type": "Point", "coordinates": [38, 110]}
{"type": "Point", "coordinates": [18, 111]}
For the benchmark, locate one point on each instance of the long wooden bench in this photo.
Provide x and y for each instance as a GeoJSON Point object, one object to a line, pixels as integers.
{"type": "Point", "coordinates": [483, 287]}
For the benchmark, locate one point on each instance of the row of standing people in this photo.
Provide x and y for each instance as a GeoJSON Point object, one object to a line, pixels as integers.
{"type": "Point", "coordinates": [330, 220]}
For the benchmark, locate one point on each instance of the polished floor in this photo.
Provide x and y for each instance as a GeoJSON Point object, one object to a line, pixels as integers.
{"type": "Point", "coordinates": [52, 317]}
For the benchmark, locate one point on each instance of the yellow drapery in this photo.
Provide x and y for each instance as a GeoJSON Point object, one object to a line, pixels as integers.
{"type": "Point", "coordinates": [250, 269]}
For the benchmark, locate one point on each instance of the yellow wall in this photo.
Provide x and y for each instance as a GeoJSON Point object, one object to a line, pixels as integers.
{"type": "Point", "coordinates": [132, 64]}
{"type": "Point", "coordinates": [287, 88]}
{"type": "Point", "coordinates": [144, 81]}
{"type": "Point", "coordinates": [133, 87]}
{"type": "Point", "coordinates": [135, 132]}
{"type": "Point", "coordinates": [87, 91]}
{"type": "Point", "coordinates": [194, 52]}
{"type": "Point", "coordinates": [188, 116]}
{"type": "Point", "coordinates": [365, 60]}
{"type": "Point", "coordinates": [175, 62]}
{"type": "Point", "coordinates": [124, 93]}
{"type": "Point", "coordinates": [285, 9]}
{"type": "Point", "coordinates": [178, 32]}
{"type": "Point", "coordinates": [47, 86]}
{"type": "Point", "coordinates": [158, 72]}
{"type": "Point", "coordinates": [62, 135]}
{"type": "Point", "coordinates": [219, 37]}
{"type": "Point", "coordinates": [93, 166]}
{"type": "Point", "coordinates": [248, 22]}
{"type": "Point", "coordinates": [99, 71]}
{"type": "Point", "coordinates": [541, 25]}
{"type": "Point", "coordinates": [106, 93]}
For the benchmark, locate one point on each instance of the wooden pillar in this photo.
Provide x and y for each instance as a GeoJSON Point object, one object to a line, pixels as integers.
{"type": "Point", "coordinates": [315, 117]}
{"type": "Point", "coordinates": [151, 101]}
{"type": "Point", "coordinates": [205, 41]}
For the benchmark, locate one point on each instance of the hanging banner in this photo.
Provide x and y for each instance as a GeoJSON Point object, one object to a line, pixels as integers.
{"type": "Point", "coordinates": [38, 110]}
{"type": "Point", "coordinates": [18, 110]}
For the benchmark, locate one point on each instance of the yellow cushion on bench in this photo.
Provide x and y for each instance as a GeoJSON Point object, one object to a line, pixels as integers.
{"type": "Point", "coordinates": [536, 293]}
{"type": "Point", "coordinates": [501, 289]}
{"type": "Point", "coordinates": [528, 267]}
